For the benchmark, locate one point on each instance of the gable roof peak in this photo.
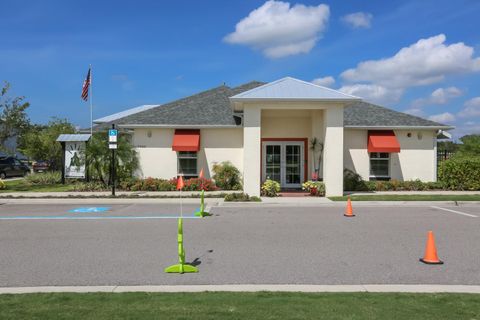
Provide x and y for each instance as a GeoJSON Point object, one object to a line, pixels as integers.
{"type": "Point", "coordinates": [289, 88]}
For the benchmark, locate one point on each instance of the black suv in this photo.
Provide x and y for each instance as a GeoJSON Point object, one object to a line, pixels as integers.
{"type": "Point", "coordinates": [10, 167]}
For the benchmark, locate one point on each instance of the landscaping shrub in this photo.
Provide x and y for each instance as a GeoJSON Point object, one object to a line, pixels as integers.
{"type": "Point", "coordinates": [227, 176]}
{"type": "Point", "coordinates": [2, 185]}
{"type": "Point", "coordinates": [90, 186]}
{"type": "Point", "coordinates": [316, 188]}
{"type": "Point", "coordinates": [352, 181]}
{"type": "Point", "coordinates": [155, 184]}
{"type": "Point", "coordinates": [270, 188]}
{"type": "Point", "coordinates": [49, 177]}
{"type": "Point", "coordinates": [460, 173]}
{"type": "Point", "coordinates": [240, 197]}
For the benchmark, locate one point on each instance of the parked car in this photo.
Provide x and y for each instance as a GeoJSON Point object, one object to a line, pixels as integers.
{"type": "Point", "coordinates": [10, 167]}
{"type": "Point", "coordinates": [41, 166]}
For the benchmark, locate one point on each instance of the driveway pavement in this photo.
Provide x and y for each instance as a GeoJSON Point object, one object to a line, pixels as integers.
{"type": "Point", "coordinates": [237, 245]}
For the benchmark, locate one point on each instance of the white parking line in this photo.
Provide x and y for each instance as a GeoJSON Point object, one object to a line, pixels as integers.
{"type": "Point", "coordinates": [454, 211]}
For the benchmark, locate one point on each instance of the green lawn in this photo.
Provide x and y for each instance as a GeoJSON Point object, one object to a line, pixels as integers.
{"type": "Point", "coordinates": [22, 186]}
{"type": "Point", "coordinates": [409, 197]}
{"type": "Point", "coordinates": [218, 305]}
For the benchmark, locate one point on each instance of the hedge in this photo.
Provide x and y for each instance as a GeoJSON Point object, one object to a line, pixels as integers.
{"type": "Point", "coordinates": [460, 173]}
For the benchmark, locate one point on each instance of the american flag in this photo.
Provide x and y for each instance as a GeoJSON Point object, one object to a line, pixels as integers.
{"type": "Point", "coordinates": [86, 86]}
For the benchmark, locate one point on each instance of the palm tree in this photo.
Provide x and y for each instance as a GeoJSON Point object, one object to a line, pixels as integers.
{"type": "Point", "coordinates": [99, 157]}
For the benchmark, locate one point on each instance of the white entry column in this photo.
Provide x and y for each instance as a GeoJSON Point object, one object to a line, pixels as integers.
{"type": "Point", "coordinates": [333, 151]}
{"type": "Point", "coordinates": [251, 150]}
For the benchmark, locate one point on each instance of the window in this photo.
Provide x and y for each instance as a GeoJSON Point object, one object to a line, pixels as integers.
{"type": "Point", "coordinates": [379, 166]}
{"type": "Point", "coordinates": [187, 163]}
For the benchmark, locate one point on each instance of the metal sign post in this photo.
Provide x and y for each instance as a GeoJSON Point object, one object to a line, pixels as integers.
{"type": "Point", "coordinates": [112, 144]}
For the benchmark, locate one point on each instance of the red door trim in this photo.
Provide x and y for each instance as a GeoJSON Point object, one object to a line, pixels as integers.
{"type": "Point", "coordinates": [305, 151]}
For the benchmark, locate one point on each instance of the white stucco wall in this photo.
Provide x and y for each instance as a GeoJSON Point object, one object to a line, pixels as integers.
{"type": "Point", "coordinates": [356, 156]}
{"type": "Point", "coordinates": [333, 153]}
{"type": "Point", "coordinates": [286, 123]}
{"type": "Point", "coordinates": [251, 150]}
{"type": "Point", "coordinates": [158, 160]}
{"type": "Point", "coordinates": [293, 124]}
{"type": "Point", "coordinates": [416, 159]}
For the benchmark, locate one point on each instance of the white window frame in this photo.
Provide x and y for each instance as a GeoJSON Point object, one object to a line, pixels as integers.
{"type": "Point", "coordinates": [180, 157]}
{"type": "Point", "coordinates": [283, 155]}
{"type": "Point", "coordinates": [388, 176]}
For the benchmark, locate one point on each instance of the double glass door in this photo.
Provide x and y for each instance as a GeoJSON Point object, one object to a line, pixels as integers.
{"type": "Point", "coordinates": [283, 162]}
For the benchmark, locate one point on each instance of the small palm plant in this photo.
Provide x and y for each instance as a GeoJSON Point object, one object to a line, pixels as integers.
{"type": "Point", "coordinates": [316, 145]}
{"type": "Point", "coordinates": [98, 158]}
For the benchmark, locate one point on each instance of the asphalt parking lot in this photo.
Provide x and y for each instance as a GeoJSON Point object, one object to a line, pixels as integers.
{"type": "Point", "coordinates": [131, 244]}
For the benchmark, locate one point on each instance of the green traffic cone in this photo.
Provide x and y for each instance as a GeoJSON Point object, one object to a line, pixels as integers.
{"type": "Point", "coordinates": [201, 211]}
{"type": "Point", "coordinates": [181, 267]}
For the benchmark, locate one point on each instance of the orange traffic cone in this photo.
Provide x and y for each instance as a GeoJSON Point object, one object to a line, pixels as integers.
{"type": "Point", "coordinates": [349, 210]}
{"type": "Point", "coordinates": [431, 251]}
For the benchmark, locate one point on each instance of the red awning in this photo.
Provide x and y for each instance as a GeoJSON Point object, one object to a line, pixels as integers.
{"type": "Point", "coordinates": [186, 140]}
{"type": "Point", "coordinates": [383, 141]}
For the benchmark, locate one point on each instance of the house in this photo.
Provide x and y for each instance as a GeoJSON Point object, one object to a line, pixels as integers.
{"type": "Point", "coordinates": [265, 130]}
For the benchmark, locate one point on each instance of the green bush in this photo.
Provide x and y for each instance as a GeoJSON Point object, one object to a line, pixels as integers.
{"type": "Point", "coordinates": [270, 188]}
{"type": "Point", "coordinates": [316, 188]}
{"type": "Point", "coordinates": [227, 176]}
{"type": "Point", "coordinates": [241, 197]}
{"type": "Point", "coordinates": [49, 177]}
{"type": "Point", "coordinates": [352, 181]}
{"type": "Point", "coordinates": [156, 184]}
{"type": "Point", "coordinates": [89, 186]}
{"type": "Point", "coordinates": [2, 185]}
{"type": "Point", "coordinates": [460, 173]}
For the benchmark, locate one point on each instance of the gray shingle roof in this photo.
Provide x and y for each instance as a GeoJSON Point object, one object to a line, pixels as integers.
{"type": "Point", "coordinates": [207, 108]}
{"type": "Point", "coordinates": [213, 108]}
{"type": "Point", "coordinates": [364, 114]}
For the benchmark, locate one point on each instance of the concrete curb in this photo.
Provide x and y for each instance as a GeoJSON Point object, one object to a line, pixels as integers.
{"type": "Point", "coordinates": [342, 203]}
{"type": "Point", "coordinates": [208, 201]}
{"type": "Point", "coordinates": [250, 288]}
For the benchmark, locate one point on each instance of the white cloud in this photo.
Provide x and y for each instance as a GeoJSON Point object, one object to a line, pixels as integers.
{"type": "Point", "coordinates": [438, 96]}
{"type": "Point", "coordinates": [280, 30]}
{"type": "Point", "coordinates": [325, 81]}
{"type": "Point", "coordinates": [373, 93]}
{"type": "Point", "coordinates": [424, 62]}
{"type": "Point", "coordinates": [472, 108]}
{"type": "Point", "coordinates": [442, 117]}
{"type": "Point", "coordinates": [415, 112]}
{"type": "Point", "coordinates": [358, 19]}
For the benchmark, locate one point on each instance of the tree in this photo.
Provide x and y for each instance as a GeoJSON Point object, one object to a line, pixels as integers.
{"type": "Point", "coordinates": [448, 146]}
{"type": "Point", "coordinates": [470, 146]}
{"type": "Point", "coordinates": [98, 158]}
{"type": "Point", "coordinates": [13, 118]}
{"type": "Point", "coordinates": [39, 142]}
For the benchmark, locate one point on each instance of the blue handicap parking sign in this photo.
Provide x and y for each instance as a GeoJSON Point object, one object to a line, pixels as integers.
{"type": "Point", "coordinates": [112, 132]}
{"type": "Point", "coordinates": [89, 210]}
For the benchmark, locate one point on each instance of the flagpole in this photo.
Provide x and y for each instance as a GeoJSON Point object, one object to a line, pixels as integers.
{"type": "Point", "coordinates": [91, 102]}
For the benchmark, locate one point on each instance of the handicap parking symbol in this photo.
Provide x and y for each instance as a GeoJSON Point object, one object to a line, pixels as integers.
{"type": "Point", "coordinates": [89, 210]}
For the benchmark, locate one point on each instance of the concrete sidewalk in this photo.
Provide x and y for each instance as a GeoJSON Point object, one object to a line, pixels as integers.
{"type": "Point", "coordinates": [427, 192]}
{"type": "Point", "coordinates": [250, 288]}
{"type": "Point", "coordinates": [120, 194]}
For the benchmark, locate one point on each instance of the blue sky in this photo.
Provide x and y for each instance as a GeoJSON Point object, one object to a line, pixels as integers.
{"type": "Point", "coordinates": [149, 52]}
